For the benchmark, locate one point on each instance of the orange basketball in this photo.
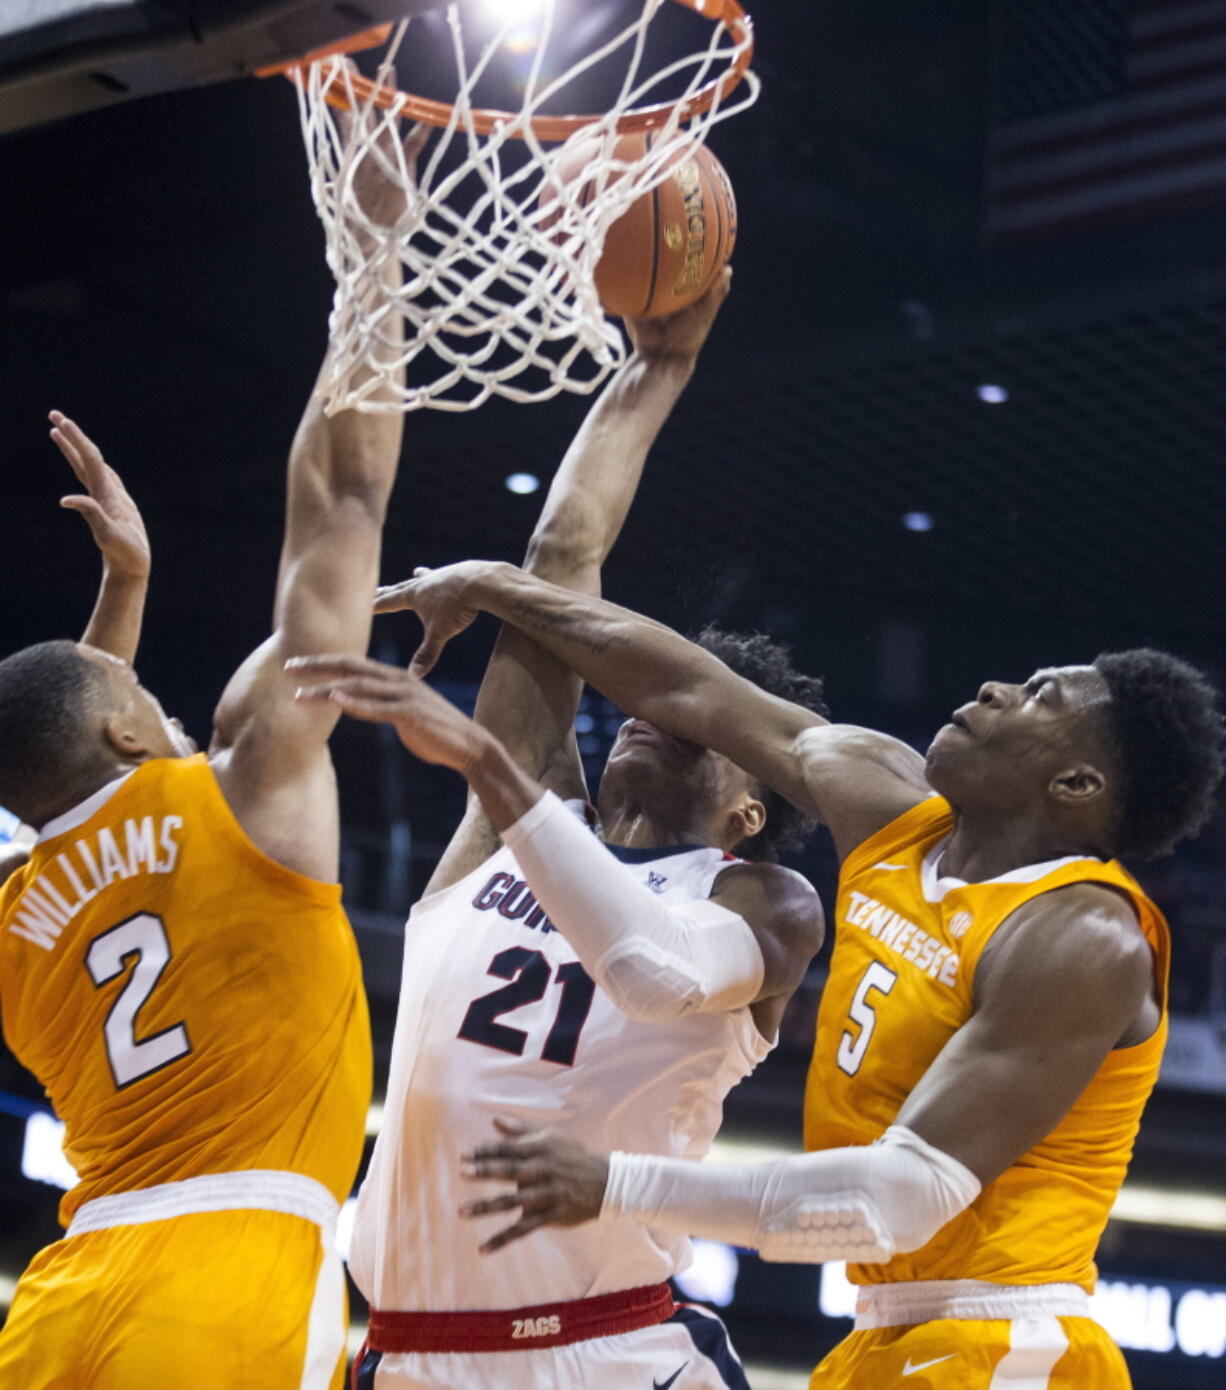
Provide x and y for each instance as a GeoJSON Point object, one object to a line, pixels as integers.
{"type": "Point", "coordinates": [666, 249]}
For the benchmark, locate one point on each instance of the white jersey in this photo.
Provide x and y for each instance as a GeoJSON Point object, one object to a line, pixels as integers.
{"type": "Point", "coordinates": [498, 1018]}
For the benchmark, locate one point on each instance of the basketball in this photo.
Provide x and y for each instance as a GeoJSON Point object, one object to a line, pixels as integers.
{"type": "Point", "coordinates": [666, 249]}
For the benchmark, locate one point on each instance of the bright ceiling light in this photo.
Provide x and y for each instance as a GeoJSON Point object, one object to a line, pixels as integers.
{"type": "Point", "coordinates": [514, 11]}
{"type": "Point", "coordinates": [522, 483]}
{"type": "Point", "coordinates": [991, 394]}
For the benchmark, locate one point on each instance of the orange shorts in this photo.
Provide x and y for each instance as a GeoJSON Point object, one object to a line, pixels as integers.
{"type": "Point", "coordinates": [225, 1300]}
{"type": "Point", "coordinates": [1037, 1352]}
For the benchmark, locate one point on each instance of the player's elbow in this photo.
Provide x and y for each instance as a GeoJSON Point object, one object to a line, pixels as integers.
{"type": "Point", "coordinates": [643, 997]}
{"type": "Point", "coordinates": [565, 548]}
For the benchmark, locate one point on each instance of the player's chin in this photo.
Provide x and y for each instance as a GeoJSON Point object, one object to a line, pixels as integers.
{"type": "Point", "coordinates": [639, 758]}
{"type": "Point", "coordinates": [944, 758]}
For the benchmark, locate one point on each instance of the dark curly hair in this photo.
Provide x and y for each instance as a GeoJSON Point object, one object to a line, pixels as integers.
{"type": "Point", "coordinates": [48, 695]}
{"type": "Point", "coordinates": [768, 664]}
{"type": "Point", "coordinates": [1165, 731]}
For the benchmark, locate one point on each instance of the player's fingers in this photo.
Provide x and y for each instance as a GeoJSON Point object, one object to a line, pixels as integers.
{"type": "Point", "coordinates": [415, 141]}
{"type": "Point", "coordinates": [94, 516]}
{"type": "Point", "coordinates": [394, 598]}
{"type": "Point", "coordinates": [538, 1197]}
{"type": "Point", "coordinates": [352, 690]}
{"type": "Point", "coordinates": [529, 1147]}
{"type": "Point", "coordinates": [515, 1129]}
{"type": "Point", "coordinates": [525, 1226]}
{"type": "Point", "coordinates": [427, 654]}
{"type": "Point", "coordinates": [523, 1169]}
{"type": "Point", "coordinates": [65, 446]}
{"type": "Point", "coordinates": [372, 711]}
{"type": "Point", "coordinates": [486, 1206]}
{"type": "Point", "coordinates": [326, 665]}
{"type": "Point", "coordinates": [95, 472]}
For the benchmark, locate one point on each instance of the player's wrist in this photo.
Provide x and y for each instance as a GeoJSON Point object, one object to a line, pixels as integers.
{"type": "Point", "coordinates": [482, 759]}
{"type": "Point", "coordinates": [129, 573]}
{"type": "Point", "coordinates": [488, 579]}
{"type": "Point", "coordinates": [674, 366]}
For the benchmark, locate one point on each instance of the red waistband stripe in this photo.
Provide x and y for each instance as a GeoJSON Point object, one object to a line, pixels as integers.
{"type": "Point", "coordinates": [523, 1329]}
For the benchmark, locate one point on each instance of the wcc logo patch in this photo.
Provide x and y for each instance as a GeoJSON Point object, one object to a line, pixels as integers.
{"type": "Point", "coordinates": [656, 881]}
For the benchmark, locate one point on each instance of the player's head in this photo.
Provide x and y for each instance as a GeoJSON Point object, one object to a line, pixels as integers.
{"type": "Point", "coordinates": [676, 778]}
{"type": "Point", "coordinates": [1123, 756]}
{"type": "Point", "coordinates": [71, 718]}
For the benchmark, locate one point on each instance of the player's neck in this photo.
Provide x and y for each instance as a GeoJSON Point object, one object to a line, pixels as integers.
{"type": "Point", "coordinates": [988, 843]}
{"type": "Point", "coordinates": [633, 827]}
{"type": "Point", "coordinates": [77, 786]}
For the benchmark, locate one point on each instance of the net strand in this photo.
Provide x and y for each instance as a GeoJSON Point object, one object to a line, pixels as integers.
{"type": "Point", "coordinates": [496, 251]}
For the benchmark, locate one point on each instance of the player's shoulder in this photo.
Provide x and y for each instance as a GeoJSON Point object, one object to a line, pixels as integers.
{"type": "Point", "coordinates": [773, 896]}
{"type": "Point", "coordinates": [1080, 936]}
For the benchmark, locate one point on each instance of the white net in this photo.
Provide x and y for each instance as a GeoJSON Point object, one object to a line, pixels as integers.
{"type": "Point", "coordinates": [496, 252]}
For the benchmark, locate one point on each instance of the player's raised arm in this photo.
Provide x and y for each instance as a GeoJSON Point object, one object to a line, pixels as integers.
{"type": "Point", "coordinates": [271, 754]}
{"type": "Point", "coordinates": [118, 530]}
{"type": "Point", "coordinates": [854, 780]}
{"type": "Point", "coordinates": [528, 696]}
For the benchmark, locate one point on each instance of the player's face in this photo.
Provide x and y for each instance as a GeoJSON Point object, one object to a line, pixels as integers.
{"type": "Point", "coordinates": [657, 769]}
{"type": "Point", "coordinates": [140, 710]}
{"type": "Point", "coordinates": [1005, 747]}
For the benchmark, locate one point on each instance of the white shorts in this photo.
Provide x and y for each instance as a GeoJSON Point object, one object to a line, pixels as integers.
{"type": "Point", "coordinates": [690, 1351]}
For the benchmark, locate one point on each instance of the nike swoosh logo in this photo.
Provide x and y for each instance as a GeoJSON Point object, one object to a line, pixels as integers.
{"type": "Point", "coordinates": [664, 1384]}
{"type": "Point", "coordinates": [884, 865]}
{"type": "Point", "coordinates": [910, 1370]}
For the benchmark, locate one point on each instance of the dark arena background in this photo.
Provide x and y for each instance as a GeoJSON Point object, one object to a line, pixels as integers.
{"type": "Point", "coordinates": [963, 415]}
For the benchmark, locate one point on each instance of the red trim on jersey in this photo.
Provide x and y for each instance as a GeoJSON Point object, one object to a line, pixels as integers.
{"type": "Point", "coordinates": [523, 1329]}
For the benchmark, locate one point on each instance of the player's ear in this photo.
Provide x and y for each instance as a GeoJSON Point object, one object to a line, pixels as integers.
{"type": "Point", "coordinates": [124, 738]}
{"type": "Point", "coordinates": [1078, 785]}
{"type": "Point", "coordinates": [746, 819]}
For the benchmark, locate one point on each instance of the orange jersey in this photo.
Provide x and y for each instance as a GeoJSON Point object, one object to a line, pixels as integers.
{"type": "Point", "coordinates": [901, 984]}
{"type": "Point", "coordinates": [190, 1006]}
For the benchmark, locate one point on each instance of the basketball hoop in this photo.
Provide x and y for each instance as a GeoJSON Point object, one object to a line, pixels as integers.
{"type": "Point", "coordinates": [497, 251]}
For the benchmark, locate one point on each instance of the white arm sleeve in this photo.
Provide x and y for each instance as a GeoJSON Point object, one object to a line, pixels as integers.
{"type": "Point", "coordinates": [655, 962]}
{"type": "Point", "coordinates": [865, 1204]}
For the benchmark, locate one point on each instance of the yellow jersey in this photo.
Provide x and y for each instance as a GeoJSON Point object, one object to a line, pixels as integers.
{"type": "Point", "coordinates": [189, 1005]}
{"type": "Point", "coordinates": [901, 984]}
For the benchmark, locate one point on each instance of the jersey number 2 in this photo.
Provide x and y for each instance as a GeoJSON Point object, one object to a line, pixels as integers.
{"type": "Point", "coordinates": [851, 1047]}
{"type": "Point", "coordinates": [142, 943]}
{"type": "Point", "coordinates": [529, 973]}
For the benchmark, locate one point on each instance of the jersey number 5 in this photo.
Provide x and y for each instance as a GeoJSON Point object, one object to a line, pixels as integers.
{"type": "Point", "coordinates": [141, 943]}
{"type": "Point", "coordinates": [529, 973]}
{"type": "Point", "coordinates": [852, 1047]}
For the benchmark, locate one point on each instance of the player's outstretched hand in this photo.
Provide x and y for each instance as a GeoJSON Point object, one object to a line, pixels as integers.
{"type": "Point", "coordinates": [387, 169]}
{"type": "Point", "coordinates": [440, 600]}
{"type": "Point", "coordinates": [113, 518]}
{"type": "Point", "coordinates": [429, 726]}
{"type": "Point", "coordinates": [557, 1181]}
{"type": "Point", "coordinates": [681, 335]}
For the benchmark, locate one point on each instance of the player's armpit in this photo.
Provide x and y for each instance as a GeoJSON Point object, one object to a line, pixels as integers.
{"type": "Point", "coordinates": [1059, 987]}
{"type": "Point", "coordinates": [472, 843]}
{"type": "Point", "coordinates": [785, 915]}
{"type": "Point", "coordinates": [858, 780]}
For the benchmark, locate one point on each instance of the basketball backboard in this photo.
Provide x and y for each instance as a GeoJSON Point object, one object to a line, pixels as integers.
{"type": "Point", "coordinates": [61, 57]}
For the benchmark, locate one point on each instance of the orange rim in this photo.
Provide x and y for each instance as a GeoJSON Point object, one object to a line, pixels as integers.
{"type": "Point", "coordinates": [553, 128]}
